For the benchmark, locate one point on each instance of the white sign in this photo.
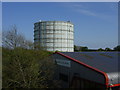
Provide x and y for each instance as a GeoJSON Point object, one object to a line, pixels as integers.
{"type": "Point", "coordinates": [63, 63]}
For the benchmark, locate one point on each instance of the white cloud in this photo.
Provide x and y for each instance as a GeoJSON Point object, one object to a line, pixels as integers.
{"type": "Point", "coordinates": [83, 9]}
{"type": "Point", "coordinates": [95, 14]}
{"type": "Point", "coordinates": [87, 12]}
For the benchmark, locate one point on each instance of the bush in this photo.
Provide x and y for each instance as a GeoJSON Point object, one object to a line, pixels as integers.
{"type": "Point", "coordinates": [27, 69]}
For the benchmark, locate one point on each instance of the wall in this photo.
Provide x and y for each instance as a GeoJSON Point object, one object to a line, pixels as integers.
{"type": "Point", "coordinates": [81, 71]}
{"type": "Point", "coordinates": [55, 35]}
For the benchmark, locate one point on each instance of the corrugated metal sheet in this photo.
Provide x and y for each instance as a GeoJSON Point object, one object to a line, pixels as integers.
{"type": "Point", "coordinates": [107, 62]}
{"type": "Point", "coordinates": [58, 31]}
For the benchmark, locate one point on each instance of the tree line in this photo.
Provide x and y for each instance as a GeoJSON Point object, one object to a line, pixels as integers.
{"type": "Point", "coordinates": [85, 48]}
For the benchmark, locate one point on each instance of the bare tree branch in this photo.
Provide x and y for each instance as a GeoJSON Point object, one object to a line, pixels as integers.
{"type": "Point", "coordinates": [11, 39]}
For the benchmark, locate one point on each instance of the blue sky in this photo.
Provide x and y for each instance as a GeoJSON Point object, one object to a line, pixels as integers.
{"type": "Point", "coordinates": [95, 23]}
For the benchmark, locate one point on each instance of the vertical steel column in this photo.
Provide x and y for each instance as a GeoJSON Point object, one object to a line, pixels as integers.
{"type": "Point", "coordinates": [54, 36]}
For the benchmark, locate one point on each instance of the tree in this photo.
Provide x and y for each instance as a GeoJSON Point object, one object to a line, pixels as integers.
{"type": "Point", "coordinates": [12, 39]}
{"type": "Point", "coordinates": [100, 49]}
{"type": "Point", "coordinates": [80, 48]}
{"type": "Point", "coordinates": [24, 68]}
{"type": "Point", "coordinates": [37, 46]}
{"type": "Point", "coordinates": [75, 48]}
{"type": "Point", "coordinates": [117, 48]}
{"type": "Point", "coordinates": [108, 49]}
{"type": "Point", "coordinates": [83, 48]}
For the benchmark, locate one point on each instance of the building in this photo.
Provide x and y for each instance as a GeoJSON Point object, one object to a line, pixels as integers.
{"type": "Point", "coordinates": [54, 35]}
{"type": "Point", "coordinates": [88, 70]}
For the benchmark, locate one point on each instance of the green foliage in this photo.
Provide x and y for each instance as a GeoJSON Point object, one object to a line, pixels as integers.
{"type": "Point", "coordinates": [75, 48]}
{"type": "Point", "coordinates": [108, 49]}
{"type": "Point", "coordinates": [80, 48]}
{"type": "Point", "coordinates": [100, 49]}
{"type": "Point", "coordinates": [84, 49]}
{"type": "Point", "coordinates": [27, 68]}
{"type": "Point", "coordinates": [24, 67]}
{"type": "Point", "coordinates": [117, 48]}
